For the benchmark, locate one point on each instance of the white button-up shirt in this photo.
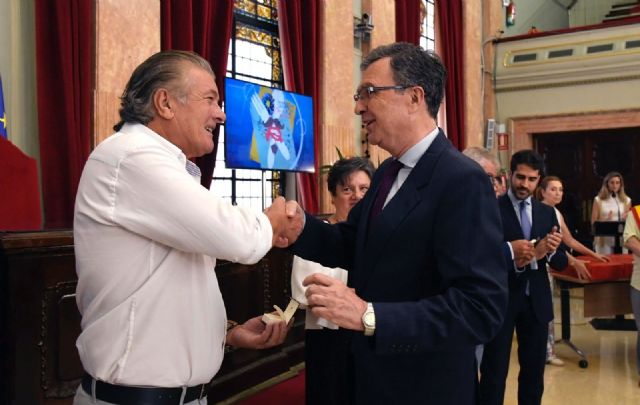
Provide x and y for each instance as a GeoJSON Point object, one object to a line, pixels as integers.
{"type": "Point", "coordinates": [146, 236]}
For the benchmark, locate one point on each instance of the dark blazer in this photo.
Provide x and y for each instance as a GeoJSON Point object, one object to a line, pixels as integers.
{"type": "Point", "coordinates": [543, 218]}
{"type": "Point", "coordinates": [432, 264]}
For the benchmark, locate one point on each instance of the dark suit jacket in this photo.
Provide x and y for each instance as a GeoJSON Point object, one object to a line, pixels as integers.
{"type": "Point", "coordinates": [432, 264]}
{"type": "Point", "coordinates": [543, 218]}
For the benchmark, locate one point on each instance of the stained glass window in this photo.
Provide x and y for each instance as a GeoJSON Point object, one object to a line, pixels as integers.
{"type": "Point", "coordinates": [254, 56]}
{"type": "Point", "coordinates": [427, 29]}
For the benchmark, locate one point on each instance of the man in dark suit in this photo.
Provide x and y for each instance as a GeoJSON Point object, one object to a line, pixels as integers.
{"type": "Point", "coordinates": [427, 280]}
{"type": "Point", "coordinates": [530, 307]}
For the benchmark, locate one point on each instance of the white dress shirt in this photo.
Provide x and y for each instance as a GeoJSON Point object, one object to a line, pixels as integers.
{"type": "Point", "coordinates": [146, 237]}
{"type": "Point", "coordinates": [410, 159]}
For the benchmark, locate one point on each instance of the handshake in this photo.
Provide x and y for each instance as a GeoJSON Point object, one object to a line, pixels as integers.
{"type": "Point", "coordinates": [287, 221]}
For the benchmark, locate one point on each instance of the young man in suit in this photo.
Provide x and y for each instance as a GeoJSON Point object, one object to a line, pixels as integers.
{"type": "Point", "coordinates": [530, 307]}
{"type": "Point", "coordinates": [427, 280]}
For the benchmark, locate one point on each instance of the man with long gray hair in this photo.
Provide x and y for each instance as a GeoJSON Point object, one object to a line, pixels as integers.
{"type": "Point", "coordinates": [147, 236]}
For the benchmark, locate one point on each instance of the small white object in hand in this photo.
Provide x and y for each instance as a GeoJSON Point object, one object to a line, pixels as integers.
{"type": "Point", "coordinates": [281, 315]}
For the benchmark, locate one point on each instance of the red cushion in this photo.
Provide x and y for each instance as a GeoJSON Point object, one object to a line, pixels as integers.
{"type": "Point", "coordinates": [619, 268]}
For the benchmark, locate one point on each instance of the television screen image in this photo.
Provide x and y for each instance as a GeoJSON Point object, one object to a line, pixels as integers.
{"type": "Point", "coordinates": [267, 129]}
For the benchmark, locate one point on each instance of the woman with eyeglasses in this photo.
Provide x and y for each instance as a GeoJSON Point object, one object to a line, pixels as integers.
{"type": "Point", "coordinates": [326, 350]}
{"type": "Point", "coordinates": [550, 192]}
{"type": "Point", "coordinates": [611, 204]}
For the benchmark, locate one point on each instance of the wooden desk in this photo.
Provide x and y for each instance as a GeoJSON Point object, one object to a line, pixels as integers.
{"type": "Point", "coordinates": [601, 298]}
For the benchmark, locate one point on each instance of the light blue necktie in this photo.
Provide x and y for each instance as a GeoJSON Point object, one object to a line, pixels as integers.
{"type": "Point", "coordinates": [525, 222]}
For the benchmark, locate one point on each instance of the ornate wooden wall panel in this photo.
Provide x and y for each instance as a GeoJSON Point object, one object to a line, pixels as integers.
{"type": "Point", "coordinates": [40, 322]}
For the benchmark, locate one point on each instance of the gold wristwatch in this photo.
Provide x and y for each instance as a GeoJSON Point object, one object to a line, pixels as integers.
{"type": "Point", "coordinates": [369, 320]}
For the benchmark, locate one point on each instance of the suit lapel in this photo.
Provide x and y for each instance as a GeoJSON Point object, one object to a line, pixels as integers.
{"type": "Point", "coordinates": [511, 220]}
{"type": "Point", "coordinates": [536, 231]}
{"type": "Point", "coordinates": [372, 244]}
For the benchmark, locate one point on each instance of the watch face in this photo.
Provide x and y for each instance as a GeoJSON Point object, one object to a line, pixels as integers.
{"type": "Point", "coordinates": [369, 319]}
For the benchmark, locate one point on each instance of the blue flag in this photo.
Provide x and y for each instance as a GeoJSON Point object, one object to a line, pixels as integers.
{"type": "Point", "coordinates": [3, 114]}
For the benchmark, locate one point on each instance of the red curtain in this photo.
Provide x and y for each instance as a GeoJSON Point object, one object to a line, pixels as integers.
{"type": "Point", "coordinates": [64, 73]}
{"type": "Point", "coordinates": [451, 30]}
{"type": "Point", "coordinates": [299, 39]}
{"type": "Point", "coordinates": [408, 21]}
{"type": "Point", "coordinates": [202, 26]}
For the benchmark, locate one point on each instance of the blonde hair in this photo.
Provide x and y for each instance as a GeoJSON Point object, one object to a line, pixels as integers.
{"type": "Point", "coordinates": [605, 193]}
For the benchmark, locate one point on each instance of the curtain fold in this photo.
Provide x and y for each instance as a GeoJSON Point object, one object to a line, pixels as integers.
{"type": "Point", "coordinates": [205, 27]}
{"type": "Point", "coordinates": [299, 41]}
{"type": "Point", "coordinates": [64, 73]}
{"type": "Point", "coordinates": [449, 13]}
{"type": "Point", "coordinates": [408, 21]}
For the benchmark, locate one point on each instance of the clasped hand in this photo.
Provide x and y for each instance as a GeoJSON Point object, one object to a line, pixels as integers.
{"type": "Point", "coordinates": [287, 220]}
{"type": "Point", "coordinates": [549, 243]}
{"type": "Point", "coordinates": [524, 251]}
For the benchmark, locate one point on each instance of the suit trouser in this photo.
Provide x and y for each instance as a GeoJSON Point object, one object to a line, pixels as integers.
{"type": "Point", "coordinates": [327, 363]}
{"type": "Point", "coordinates": [532, 344]}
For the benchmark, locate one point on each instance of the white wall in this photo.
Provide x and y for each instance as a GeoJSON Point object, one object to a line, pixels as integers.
{"type": "Point", "coordinates": [583, 83]}
{"type": "Point", "coordinates": [589, 12]}
{"type": "Point", "coordinates": [545, 15]}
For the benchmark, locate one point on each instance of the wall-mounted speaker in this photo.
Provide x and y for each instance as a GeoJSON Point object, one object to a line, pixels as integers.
{"type": "Point", "coordinates": [491, 134]}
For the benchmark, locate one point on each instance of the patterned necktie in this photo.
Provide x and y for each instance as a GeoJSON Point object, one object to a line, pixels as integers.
{"type": "Point", "coordinates": [525, 223]}
{"type": "Point", "coordinates": [388, 177]}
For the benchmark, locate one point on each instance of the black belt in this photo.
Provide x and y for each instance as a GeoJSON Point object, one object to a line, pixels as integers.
{"type": "Point", "coordinates": [126, 395]}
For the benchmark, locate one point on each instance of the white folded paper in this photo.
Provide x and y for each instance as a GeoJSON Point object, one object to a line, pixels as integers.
{"type": "Point", "coordinates": [281, 315]}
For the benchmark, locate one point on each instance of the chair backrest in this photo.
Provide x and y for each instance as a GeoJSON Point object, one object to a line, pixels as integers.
{"type": "Point", "coordinates": [19, 191]}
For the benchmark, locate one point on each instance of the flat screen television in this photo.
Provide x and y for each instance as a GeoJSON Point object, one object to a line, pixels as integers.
{"type": "Point", "coordinates": [267, 129]}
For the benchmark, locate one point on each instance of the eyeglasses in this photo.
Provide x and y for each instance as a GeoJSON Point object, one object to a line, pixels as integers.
{"type": "Point", "coordinates": [365, 93]}
{"type": "Point", "coordinates": [495, 179]}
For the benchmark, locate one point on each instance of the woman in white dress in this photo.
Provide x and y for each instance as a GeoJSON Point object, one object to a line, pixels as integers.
{"type": "Point", "coordinates": [326, 351]}
{"type": "Point", "coordinates": [550, 192]}
{"type": "Point", "coordinates": [611, 204]}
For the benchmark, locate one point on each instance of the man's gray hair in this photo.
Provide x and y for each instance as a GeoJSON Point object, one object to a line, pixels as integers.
{"type": "Point", "coordinates": [479, 154]}
{"type": "Point", "coordinates": [161, 70]}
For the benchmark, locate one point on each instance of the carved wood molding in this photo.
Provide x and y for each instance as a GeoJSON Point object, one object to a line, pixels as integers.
{"type": "Point", "coordinates": [52, 383]}
{"type": "Point", "coordinates": [522, 129]}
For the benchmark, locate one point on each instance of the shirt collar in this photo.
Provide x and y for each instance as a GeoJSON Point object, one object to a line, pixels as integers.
{"type": "Point", "coordinates": [137, 128]}
{"type": "Point", "coordinates": [413, 154]}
